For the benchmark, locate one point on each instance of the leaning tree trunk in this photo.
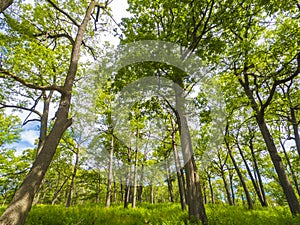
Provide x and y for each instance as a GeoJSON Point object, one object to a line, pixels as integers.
{"type": "Point", "coordinates": [293, 174]}
{"type": "Point", "coordinates": [238, 171]}
{"type": "Point", "coordinates": [257, 173]}
{"type": "Point", "coordinates": [194, 193]}
{"type": "Point", "coordinates": [254, 183]}
{"type": "Point", "coordinates": [242, 180]}
{"type": "Point", "coordinates": [17, 210]}
{"type": "Point", "coordinates": [279, 167]}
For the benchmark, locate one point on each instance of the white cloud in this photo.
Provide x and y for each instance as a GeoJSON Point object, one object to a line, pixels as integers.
{"type": "Point", "coordinates": [29, 137]}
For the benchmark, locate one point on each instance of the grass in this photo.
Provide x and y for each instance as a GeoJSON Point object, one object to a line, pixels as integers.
{"type": "Point", "coordinates": [160, 214]}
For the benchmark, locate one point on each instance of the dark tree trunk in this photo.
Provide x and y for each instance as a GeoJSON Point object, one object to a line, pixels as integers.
{"type": "Point", "coordinates": [257, 173]}
{"type": "Point", "coordinates": [140, 191]}
{"type": "Point", "coordinates": [194, 192]}
{"type": "Point", "coordinates": [296, 130]}
{"type": "Point", "coordinates": [237, 169]}
{"type": "Point", "coordinates": [110, 173]}
{"type": "Point", "coordinates": [260, 119]}
{"type": "Point", "coordinates": [4, 4]}
{"type": "Point", "coordinates": [242, 180]}
{"type": "Point", "coordinates": [128, 181]}
{"type": "Point", "coordinates": [16, 212]}
{"type": "Point", "coordinates": [211, 189]}
{"type": "Point", "coordinates": [277, 161]}
{"type": "Point", "coordinates": [293, 174]}
{"type": "Point", "coordinates": [58, 191]}
{"type": "Point", "coordinates": [180, 178]}
{"type": "Point", "coordinates": [135, 172]}
{"type": "Point", "coordinates": [227, 191]}
{"type": "Point", "coordinates": [71, 188]}
{"type": "Point", "coordinates": [230, 175]}
{"type": "Point", "coordinates": [262, 201]}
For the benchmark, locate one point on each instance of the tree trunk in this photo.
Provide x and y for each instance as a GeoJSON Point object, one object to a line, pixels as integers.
{"type": "Point", "coordinates": [135, 173]}
{"type": "Point", "coordinates": [211, 189]}
{"type": "Point", "coordinates": [179, 174]}
{"type": "Point", "coordinates": [236, 167]}
{"type": "Point", "coordinates": [227, 192]}
{"type": "Point", "coordinates": [151, 194]}
{"type": "Point", "coordinates": [115, 192]}
{"type": "Point", "coordinates": [58, 189]}
{"type": "Point", "coordinates": [71, 188]}
{"type": "Point", "coordinates": [44, 121]}
{"type": "Point", "coordinates": [294, 176]}
{"type": "Point", "coordinates": [277, 161]}
{"type": "Point", "coordinates": [262, 201]}
{"type": "Point", "coordinates": [4, 4]}
{"type": "Point", "coordinates": [170, 185]}
{"type": "Point", "coordinates": [194, 192]}
{"type": "Point", "coordinates": [110, 173]}
{"type": "Point", "coordinates": [140, 191]}
{"type": "Point", "coordinates": [296, 130]}
{"type": "Point", "coordinates": [16, 212]}
{"type": "Point", "coordinates": [128, 178]}
{"type": "Point", "coordinates": [257, 173]}
{"type": "Point", "coordinates": [230, 175]}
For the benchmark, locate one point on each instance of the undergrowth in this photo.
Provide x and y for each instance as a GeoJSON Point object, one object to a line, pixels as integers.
{"type": "Point", "coordinates": [160, 214]}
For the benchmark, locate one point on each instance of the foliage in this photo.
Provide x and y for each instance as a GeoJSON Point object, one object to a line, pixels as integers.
{"type": "Point", "coordinates": [156, 215]}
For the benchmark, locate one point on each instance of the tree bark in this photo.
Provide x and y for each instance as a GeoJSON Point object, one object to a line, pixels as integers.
{"type": "Point", "coordinates": [16, 212]}
{"type": "Point", "coordinates": [296, 130]}
{"type": "Point", "coordinates": [257, 173]}
{"type": "Point", "coordinates": [211, 189]}
{"type": "Point", "coordinates": [277, 161]}
{"type": "Point", "coordinates": [293, 174]}
{"type": "Point", "coordinates": [128, 180]}
{"type": "Point", "coordinates": [110, 173]}
{"type": "Point", "coordinates": [135, 173]}
{"type": "Point", "coordinates": [71, 188]}
{"type": "Point", "coordinates": [242, 180]}
{"type": "Point", "coordinates": [180, 178]}
{"type": "Point", "coordinates": [227, 192]}
{"type": "Point", "coordinates": [4, 4]}
{"type": "Point", "coordinates": [230, 175]}
{"type": "Point", "coordinates": [262, 200]}
{"type": "Point", "coordinates": [194, 193]}
{"type": "Point", "coordinates": [44, 121]}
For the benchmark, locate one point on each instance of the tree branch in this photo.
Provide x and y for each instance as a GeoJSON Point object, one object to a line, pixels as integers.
{"type": "Point", "coordinates": [7, 75]}
{"type": "Point", "coordinates": [63, 12]}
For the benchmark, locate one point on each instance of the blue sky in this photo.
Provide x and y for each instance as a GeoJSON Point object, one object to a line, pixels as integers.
{"type": "Point", "coordinates": [28, 137]}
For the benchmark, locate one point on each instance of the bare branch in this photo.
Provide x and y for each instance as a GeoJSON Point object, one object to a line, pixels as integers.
{"type": "Point", "coordinates": [20, 107]}
{"type": "Point", "coordinates": [63, 12]}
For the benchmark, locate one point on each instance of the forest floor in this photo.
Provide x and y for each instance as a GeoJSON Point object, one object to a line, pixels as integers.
{"type": "Point", "coordinates": [160, 214]}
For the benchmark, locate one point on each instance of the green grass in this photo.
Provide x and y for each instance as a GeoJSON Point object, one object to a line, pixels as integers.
{"type": "Point", "coordinates": [160, 214]}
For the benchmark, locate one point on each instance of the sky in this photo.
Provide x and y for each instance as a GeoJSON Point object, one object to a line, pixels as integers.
{"type": "Point", "coordinates": [30, 131]}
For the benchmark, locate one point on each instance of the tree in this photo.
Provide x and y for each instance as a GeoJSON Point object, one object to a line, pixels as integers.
{"type": "Point", "coordinates": [259, 81]}
{"type": "Point", "coordinates": [21, 203]}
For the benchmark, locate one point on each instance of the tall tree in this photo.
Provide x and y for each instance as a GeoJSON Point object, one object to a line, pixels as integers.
{"type": "Point", "coordinates": [21, 203]}
{"type": "Point", "coordinates": [259, 81]}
